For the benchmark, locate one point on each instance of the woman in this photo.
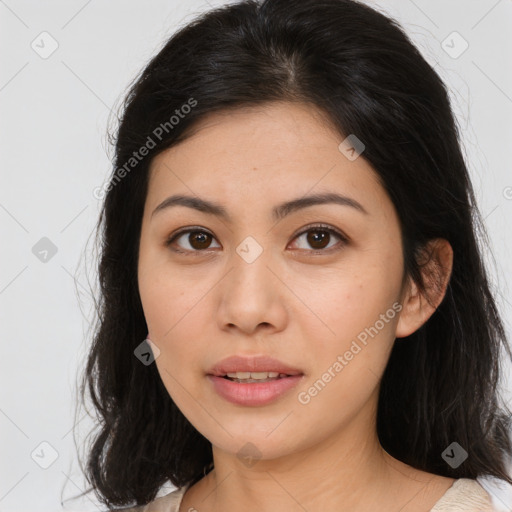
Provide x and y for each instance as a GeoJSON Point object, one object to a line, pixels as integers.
{"type": "Point", "coordinates": [291, 225]}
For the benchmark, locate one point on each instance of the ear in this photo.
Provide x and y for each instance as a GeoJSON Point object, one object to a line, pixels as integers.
{"type": "Point", "coordinates": [435, 264]}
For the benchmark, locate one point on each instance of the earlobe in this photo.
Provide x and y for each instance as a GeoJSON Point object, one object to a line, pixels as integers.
{"type": "Point", "coordinates": [410, 315]}
{"type": "Point", "coordinates": [418, 306]}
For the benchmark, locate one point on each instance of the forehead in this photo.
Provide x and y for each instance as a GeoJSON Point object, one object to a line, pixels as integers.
{"type": "Point", "coordinates": [271, 152]}
{"type": "Point", "coordinates": [287, 128]}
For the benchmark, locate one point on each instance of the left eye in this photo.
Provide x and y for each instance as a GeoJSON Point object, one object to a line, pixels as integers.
{"type": "Point", "coordinates": [318, 237]}
{"type": "Point", "coordinates": [199, 240]}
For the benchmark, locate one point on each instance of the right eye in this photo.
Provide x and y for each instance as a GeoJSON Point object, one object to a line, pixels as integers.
{"type": "Point", "coordinates": [198, 240]}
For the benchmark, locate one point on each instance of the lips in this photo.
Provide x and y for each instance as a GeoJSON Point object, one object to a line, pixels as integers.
{"type": "Point", "coordinates": [254, 394]}
{"type": "Point", "coordinates": [255, 364]}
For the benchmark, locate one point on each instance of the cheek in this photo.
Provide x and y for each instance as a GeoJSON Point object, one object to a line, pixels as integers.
{"type": "Point", "coordinates": [166, 301]}
{"type": "Point", "coordinates": [356, 312]}
{"type": "Point", "coordinates": [172, 309]}
{"type": "Point", "coordinates": [349, 363]}
{"type": "Point", "coordinates": [178, 337]}
{"type": "Point", "coordinates": [345, 302]}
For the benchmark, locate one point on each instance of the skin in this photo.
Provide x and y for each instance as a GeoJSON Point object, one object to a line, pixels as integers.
{"type": "Point", "coordinates": [302, 308]}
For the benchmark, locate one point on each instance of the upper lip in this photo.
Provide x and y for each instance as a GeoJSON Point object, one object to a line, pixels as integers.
{"type": "Point", "coordinates": [235, 364]}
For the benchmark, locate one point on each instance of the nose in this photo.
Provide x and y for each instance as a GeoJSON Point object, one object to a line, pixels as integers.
{"type": "Point", "coordinates": [252, 296]}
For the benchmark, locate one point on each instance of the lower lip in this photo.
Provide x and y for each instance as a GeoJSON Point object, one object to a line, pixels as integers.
{"type": "Point", "coordinates": [253, 393]}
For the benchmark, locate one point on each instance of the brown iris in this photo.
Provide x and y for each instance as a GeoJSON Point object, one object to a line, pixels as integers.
{"type": "Point", "coordinates": [203, 239]}
{"type": "Point", "coordinates": [318, 236]}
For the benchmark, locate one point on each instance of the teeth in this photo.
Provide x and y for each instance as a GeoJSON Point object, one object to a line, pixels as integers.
{"type": "Point", "coordinates": [255, 375]}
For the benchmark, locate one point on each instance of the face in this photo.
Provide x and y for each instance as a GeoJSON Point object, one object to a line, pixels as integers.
{"type": "Point", "coordinates": [317, 288]}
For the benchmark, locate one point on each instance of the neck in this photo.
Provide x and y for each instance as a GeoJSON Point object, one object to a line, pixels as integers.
{"type": "Point", "coordinates": [349, 471]}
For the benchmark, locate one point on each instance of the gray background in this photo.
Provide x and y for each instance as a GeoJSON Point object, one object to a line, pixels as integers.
{"type": "Point", "coordinates": [54, 114]}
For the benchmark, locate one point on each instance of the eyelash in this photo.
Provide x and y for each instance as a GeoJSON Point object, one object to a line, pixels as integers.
{"type": "Point", "coordinates": [318, 227]}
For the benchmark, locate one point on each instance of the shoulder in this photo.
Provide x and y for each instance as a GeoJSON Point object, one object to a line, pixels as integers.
{"type": "Point", "coordinates": [465, 495]}
{"type": "Point", "coordinates": [167, 503]}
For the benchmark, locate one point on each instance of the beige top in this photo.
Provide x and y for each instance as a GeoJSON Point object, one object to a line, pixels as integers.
{"type": "Point", "coordinates": [465, 495]}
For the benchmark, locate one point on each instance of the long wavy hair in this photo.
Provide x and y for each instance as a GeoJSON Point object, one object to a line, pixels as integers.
{"type": "Point", "coordinates": [356, 65]}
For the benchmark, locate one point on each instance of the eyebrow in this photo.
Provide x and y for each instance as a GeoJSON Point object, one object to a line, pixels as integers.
{"type": "Point", "coordinates": [278, 212]}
